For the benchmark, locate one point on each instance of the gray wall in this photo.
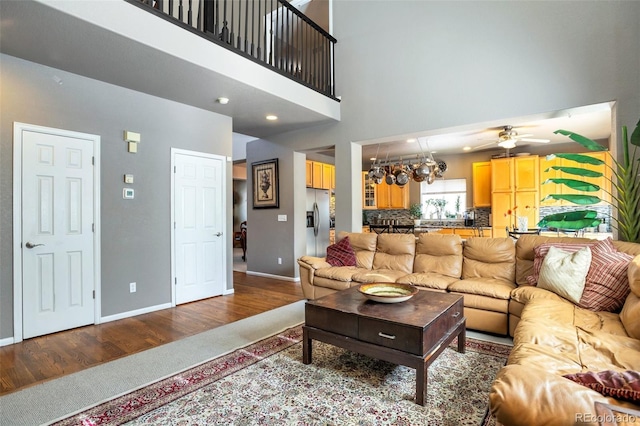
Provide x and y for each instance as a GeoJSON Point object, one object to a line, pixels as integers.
{"type": "Point", "coordinates": [412, 66]}
{"type": "Point", "coordinates": [267, 238]}
{"type": "Point", "coordinates": [135, 233]}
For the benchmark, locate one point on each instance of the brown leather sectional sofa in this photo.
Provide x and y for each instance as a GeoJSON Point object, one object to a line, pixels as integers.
{"type": "Point", "coordinates": [552, 336]}
{"type": "Point", "coordinates": [483, 271]}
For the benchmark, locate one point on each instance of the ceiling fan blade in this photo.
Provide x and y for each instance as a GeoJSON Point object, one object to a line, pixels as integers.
{"type": "Point", "coordinates": [535, 140]}
{"type": "Point", "coordinates": [524, 136]}
{"type": "Point", "coordinates": [485, 145]}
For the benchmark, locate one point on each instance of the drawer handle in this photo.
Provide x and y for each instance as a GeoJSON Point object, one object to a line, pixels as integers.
{"type": "Point", "coordinates": [456, 315]}
{"type": "Point", "coordinates": [386, 336]}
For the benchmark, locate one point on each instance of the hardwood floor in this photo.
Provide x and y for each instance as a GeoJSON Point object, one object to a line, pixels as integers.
{"type": "Point", "coordinates": [48, 357]}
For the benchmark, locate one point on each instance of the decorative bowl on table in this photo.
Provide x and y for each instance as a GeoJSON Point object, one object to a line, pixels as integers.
{"type": "Point", "coordinates": [388, 292]}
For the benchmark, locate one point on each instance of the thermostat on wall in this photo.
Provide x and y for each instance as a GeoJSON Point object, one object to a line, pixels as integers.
{"type": "Point", "coordinates": [127, 193]}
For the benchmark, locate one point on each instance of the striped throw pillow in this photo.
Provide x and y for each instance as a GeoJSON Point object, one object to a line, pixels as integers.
{"type": "Point", "coordinates": [607, 285]}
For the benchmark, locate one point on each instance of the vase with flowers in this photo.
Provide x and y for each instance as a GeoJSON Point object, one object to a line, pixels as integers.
{"type": "Point", "coordinates": [521, 221]}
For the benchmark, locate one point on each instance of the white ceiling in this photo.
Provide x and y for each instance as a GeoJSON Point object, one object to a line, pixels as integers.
{"type": "Point", "coordinates": [592, 121]}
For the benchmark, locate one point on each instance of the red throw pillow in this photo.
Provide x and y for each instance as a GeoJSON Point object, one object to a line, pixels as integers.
{"type": "Point", "coordinates": [341, 253]}
{"type": "Point", "coordinates": [621, 385]}
{"type": "Point", "coordinates": [607, 284]}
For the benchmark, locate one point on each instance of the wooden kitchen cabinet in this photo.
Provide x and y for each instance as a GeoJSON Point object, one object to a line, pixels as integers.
{"type": "Point", "coordinates": [514, 182]}
{"type": "Point", "coordinates": [446, 231]}
{"type": "Point", "coordinates": [317, 175]}
{"type": "Point", "coordinates": [369, 193]}
{"type": "Point", "coordinates": [392, 196]}
{"type": "Point", "coordinates": [320, 175]}
{"type": "Point", "coordinates": [470, 232]}
{"type": "Point", "coordinates": [328, 171]}
{"type": "Point", "coordinates": [309, 168]}
{"type": "Point", "coordinates": [482, 184]}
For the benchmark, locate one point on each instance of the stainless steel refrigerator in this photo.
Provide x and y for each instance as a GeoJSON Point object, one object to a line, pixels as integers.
{"type": "Point", "coordinates": [317, 222]}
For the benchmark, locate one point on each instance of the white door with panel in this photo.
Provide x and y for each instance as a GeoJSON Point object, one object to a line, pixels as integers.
{"type": "Point", "coordinates": [199, 240]}
{"type": "Point", "coordinates": [57, 233]}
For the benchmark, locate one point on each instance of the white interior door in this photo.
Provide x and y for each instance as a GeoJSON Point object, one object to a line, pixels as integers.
{"type": "Point", "coordinates": [198, 227]}
{"type": "Point", "coordinates": [57, 233]}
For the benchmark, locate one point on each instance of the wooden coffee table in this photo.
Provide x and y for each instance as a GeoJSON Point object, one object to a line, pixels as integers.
{"type": "Point", "coordinates": [411, 333]}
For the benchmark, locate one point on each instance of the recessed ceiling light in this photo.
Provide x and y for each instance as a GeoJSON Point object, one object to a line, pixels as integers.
{"type": "Point", "coordinates": [466, 148]}
{"type": "Point", "coordinates": [272, 117]}
{"type": "Point", "coordinates": [411, 140]}
{"type": "Point", "coordinates": [372, 159]}
{"type": "Point", "coordinates": [222, 100]}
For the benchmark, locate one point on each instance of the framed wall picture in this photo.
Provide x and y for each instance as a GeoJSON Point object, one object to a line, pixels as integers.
{"type": "Point", "coordinates": [265, 184]}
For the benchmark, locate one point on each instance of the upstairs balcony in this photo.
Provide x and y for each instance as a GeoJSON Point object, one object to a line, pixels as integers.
{"type": "Point", "coordinates": [270, 32]}
{"type": "Point", "coordinates": [271, 60]}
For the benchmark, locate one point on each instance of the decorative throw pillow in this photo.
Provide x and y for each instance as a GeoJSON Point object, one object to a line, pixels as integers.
{"type": "Point", "coordinates": [565, 273]}
{"type": "Point", "coordinates": [607, 285]}
{"type": "Point", "coordinates": [542, 250]}
{"type": "Point", "coordinates": [621, 385]}
{"type": "Point", "coordinates": [341, 253]}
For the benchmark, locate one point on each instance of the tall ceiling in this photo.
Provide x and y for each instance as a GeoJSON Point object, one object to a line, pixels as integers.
{"type": "Point", "coordinates": [44, 34]}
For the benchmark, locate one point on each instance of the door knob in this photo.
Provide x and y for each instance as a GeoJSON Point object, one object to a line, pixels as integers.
{"type": "Point", "coordinates": [218, 234]}
{"type": "Point", "coordinates": [31, 245]}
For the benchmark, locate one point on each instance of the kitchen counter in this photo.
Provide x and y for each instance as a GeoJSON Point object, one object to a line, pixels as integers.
{"type": "Point", "coordinates": [592, 235]}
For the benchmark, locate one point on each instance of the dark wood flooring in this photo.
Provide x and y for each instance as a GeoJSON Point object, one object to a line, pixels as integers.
{"type": "Point", "coordinates": [48, 357]}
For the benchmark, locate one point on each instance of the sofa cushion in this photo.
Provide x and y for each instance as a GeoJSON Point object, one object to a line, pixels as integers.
{"type": "Point", "coordinates": [377, 276]}
{"type": "Point", "coordinates": [524, 294]}
{"type": "Point", "coordinates": [440, 254]}
{"type": "Point", "coordinates": [489, 258]}
{"type": "Point", "coordinates": [432, 280]}
{"type": "Point", "coordinates": [338, 273]}
{"type": "Point", "coordinates": [395, 252]}
{"type": "Point", "coordinates": [633, 275]}
{"type": "Point", "coordinates": [630, 316]}
{"type": "Point", "coordinates": [341, 253]}
{"type": "Point", "coordinates": [491, 287]}
{"type": "Point", "coordinates": [618, 384]}
{"type": "Point", "coordinates": [364, 246]}
{"type": "Point", "coordinates": [564, 273]}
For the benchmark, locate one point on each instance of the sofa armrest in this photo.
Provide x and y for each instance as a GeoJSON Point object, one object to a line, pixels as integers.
{"type": "Point", "coordinates": [313, 262]}
{"type": "Point", "coordinates": [522, 396]}
{"type": "Point", "coordinates": [524, 293]}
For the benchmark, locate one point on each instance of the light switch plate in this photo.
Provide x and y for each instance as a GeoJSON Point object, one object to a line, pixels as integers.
{"type": "Point", "coordinates": [127, 193]}
{"type": "Point", "coordinates": [133, 147]}
{"type": "Point", "coordinates": [128, 178]}
{"type": "Point", "coordinates": [131, 136]}
{"type": "Point", "coordinates": [282, 218]}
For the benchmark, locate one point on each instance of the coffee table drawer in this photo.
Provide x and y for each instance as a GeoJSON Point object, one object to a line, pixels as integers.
{"type": "Point", "coordinates": [440, 325]}
{"type": "Point", "coordinates": [331, 320]}
{"type": "Point", "coordinates": [396, 336]}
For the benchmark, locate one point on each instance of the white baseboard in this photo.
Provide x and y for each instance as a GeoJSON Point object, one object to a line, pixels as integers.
{"type": "Point", "coordinates": [128, 314]}
{"type": "Point", "coordinates": [7, 341]}
{"type": "Point", "coordinates": [277, 277]}
{"type": "Point", "coordinates": [230, 291]}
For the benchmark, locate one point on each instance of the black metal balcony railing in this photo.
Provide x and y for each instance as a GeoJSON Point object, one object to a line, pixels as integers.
{"type": "Point", "coordinates": [271, 32]}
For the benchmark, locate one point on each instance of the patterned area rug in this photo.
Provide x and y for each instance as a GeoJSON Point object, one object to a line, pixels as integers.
{"type": "Point", "coordinates": [266, 384]}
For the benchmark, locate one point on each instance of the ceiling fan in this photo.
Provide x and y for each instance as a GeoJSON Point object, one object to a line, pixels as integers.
{"type": "Point", "coordinates": [508, 137]}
